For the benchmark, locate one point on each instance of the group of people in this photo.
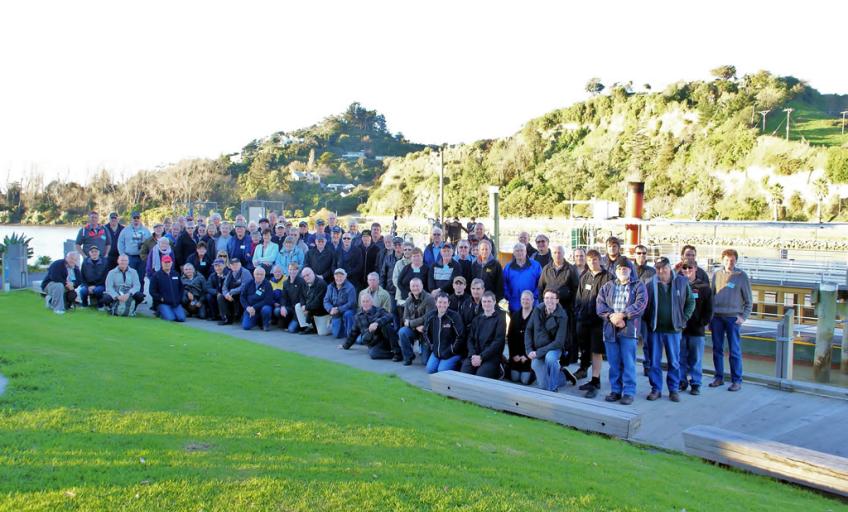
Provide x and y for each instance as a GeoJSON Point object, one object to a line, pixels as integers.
{"type": "Point", "coordinates": [450, 302]}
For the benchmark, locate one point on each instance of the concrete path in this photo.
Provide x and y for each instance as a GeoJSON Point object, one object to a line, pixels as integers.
{"type": "Point", "coordinates": [800, 419]}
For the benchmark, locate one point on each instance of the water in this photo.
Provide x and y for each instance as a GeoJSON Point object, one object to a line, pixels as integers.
{"type": "Point", "coordinates": [46, 240]}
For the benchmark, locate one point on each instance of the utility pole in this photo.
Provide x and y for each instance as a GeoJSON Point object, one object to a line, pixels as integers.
{"type": "Point", "coordinates": [788, 113]}
{"type": "Point", "coordinates": [764, 113]}
{"type": "Point", "coordinates": [843, 120]}
{"type": "Point", "coordinates": [442, 186]}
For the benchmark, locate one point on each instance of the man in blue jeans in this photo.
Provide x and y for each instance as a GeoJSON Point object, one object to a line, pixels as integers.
{"type": "Point", "coordinates": [621, 304]}
{"type": "Point", "coordinates": [732, 304]}
{"type": "Point", "coordinates": [692, 342]}
{"type": "Point", "coordinates": [670, 304]}
{"type": "Point", "coordinates": [167, 291]}
{"type": "Point", "coordinates": [340, 302]}
{"type": "Point", "coordinates": [544, 341]}
{"type": "Point", "coordinates": [444, 333]}
{"type": "Point", "coordinates": [257, 299]}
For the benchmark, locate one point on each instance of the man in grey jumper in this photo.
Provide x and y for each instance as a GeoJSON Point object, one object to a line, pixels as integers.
{"type": "Point", "coordinates": [732, 304]}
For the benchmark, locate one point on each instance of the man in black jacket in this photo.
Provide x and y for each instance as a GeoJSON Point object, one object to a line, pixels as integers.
{"type": "Point", "coordinates": [201, 259]}
{"type": "Point", "coordinates": [351, 258]}
{"type": "Point", "coordinates": [185, 245]}
{"type": "Point", "coordinates": [94, 270]}
{"type": "Point", "coordinates": [373, 327]}
{"type": "Point", "coordinates": [167, 292]}
{"type": "Point", "coordinates": [692, 341]}
{"type": "Point", "coordinates": [590, 327]}
{"type": "Point", "coordinates": [544, 340]}
{"type": "Point", "coordinates": [486, 340]}
{"type": "Point", "coordinates": [444, 333]}
{"type": "Point", "coordinates": [293, 290]}
{"type": "Point", "coordinates": [321, 259]}
{"type": "Point", "coordinates": [313, 301]}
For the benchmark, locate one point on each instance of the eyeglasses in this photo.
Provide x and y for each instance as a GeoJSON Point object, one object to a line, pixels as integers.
{"type": "Point", "coordinates": [641, 253]}
{"type": "Point", "coordinates": [541, 241]}
{"type": "Point", "coordinates": [346, 238]}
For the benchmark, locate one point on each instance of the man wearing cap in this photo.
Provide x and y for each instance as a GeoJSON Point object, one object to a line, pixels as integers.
{"type": "Point", "coordinates": [229, 300]}
{"type": "Point", "coordinates": [335, 239]}
{"type": "Point", "coordinates": [280, 234]}
{"type": "Point", "coordinates": [350, 258]}
{"type": "Point", "coordinates": [340, 303]}
{"type": "Point", "coordinates": [93, 277]}
{"type": "Point", "coordinates": [167, 292]}
{"type": "Point", "coordinates": [379, 296]}
{"type": "Point", "coordinates": [114, 227]}
{"type": "Point", "coordinates": [670, 304]}
{"type": "Point", "coordinates": [732, 304]}
{"type": "Point", "coordinates": [692, 341]}
{"type": "Point", "coordinates": [241, 246]}
{"type": "Point", "coordinates": [257, 299]}
{"type": "Point", "coordinates": [646, 274]}
{"type": "Point", "coordinates": [131, 240]}
{"type": "Point", "coordinates": [614, 258]}
{"type": "Point", "coordinates": [320, 258]}
{"type": "Point", "coordinates": [305, 236]}
{"type": "Point", "coordinates": [214, 287]}
{"type": "Point", "coordinates": [93, 233]}
{"type": "Point", "coordinates": [321, 227]}
{"type": "Point", "coordinates": [441, 275]}
{"type": "Point", "coordinates": [458, 298]}
{"type": "Point", "coordinates": [123, 284]}
{"type": "Point", "coordinates": [371, 251]}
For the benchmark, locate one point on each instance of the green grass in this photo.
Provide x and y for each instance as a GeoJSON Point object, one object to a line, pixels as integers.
{"type": "Point", "coordinates": [808, 122]}
{"type": "Point", "coordinates": [104, 413]}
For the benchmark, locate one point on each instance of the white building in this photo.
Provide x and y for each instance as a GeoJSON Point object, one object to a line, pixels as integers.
{"type": "Point", "coordinates": [307, 177]}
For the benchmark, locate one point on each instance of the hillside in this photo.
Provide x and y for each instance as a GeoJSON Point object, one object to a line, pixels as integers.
{"type": "Point", "coordinates": [699, 147]}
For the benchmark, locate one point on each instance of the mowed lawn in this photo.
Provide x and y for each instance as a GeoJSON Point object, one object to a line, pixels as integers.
{"type": "Point", "coordinates": [110, 414]}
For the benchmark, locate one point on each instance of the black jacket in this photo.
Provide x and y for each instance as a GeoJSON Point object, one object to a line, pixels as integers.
{"type": "Point", "coordinates": [293, 290]}
{"type": "Point", "coordinates": [445, 335]}
{"type": "Point", "coordinates": [363, 319]}
{"type": "Point", "coordinates": [321, 263]}
{"type": "Point", "coordinates": [204, 266]}
{"type": "Point", "coordinates": [372, 257]}
{"type": "Point", "coordinates": [456, 302]}
{"type": "Point", "coordinates": [387, 267]}
{"type": "Point", "coordinates": [408, 274]}
{"type": "Point", "coordinates": [585, 303]}
{"type": "Point", "coordinates": [313, 296]}
{"type": "Point", "coordinates": [94, 273]}
{"type": "Point", "coordinates": [444, 285]}
{"type": "Point", "coordinates": [185, 247]}
{"type": "Point", "coordinates": [257, 296]}
{"type": "Point", "coordinates": [57, 272]}
{"type": "Point", "coordinates": [214, 284]}
{"type": "Point", "coordinates": [491, 273]}
{"type": "Point", "coordinates": [353, 261]}
{"type": "Point", "coordinates": [166, 288]}
{"type": "Point", "coordinates": [487, 335]}
{"type": "Point", "coordinates": [468, 310]}
{"type": "Point", "coordinates": [546, 332]}
{"type": "Point", "coordinates": [703, 308]}
{"type": "Point", "coordinates": [515, 340]}
{"type": "Point", "coordinates": [564, 280]}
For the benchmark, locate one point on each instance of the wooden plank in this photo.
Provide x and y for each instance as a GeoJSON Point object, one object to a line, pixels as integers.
{"type": "Point", "coordinates": [786, 462]}
{"type": "Point", "coordinates": [580, 413]}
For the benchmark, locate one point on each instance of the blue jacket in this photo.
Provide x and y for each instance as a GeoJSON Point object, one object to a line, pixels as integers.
{"type": "Point", "coordinates": [433, 254]}
{"type": "Point", "coordinates": [256, 296]}
{"type": "Point", "coordinates": [517, 279]}
{"type": "Point", "coordinates": [344, 298]}
{"type": "Point", "coordinates": [241, 249]}
{"type": "Point", "coordinates": [58, 273]}
{"type": "Point", "coordinates": [166, 288]}
{"type": "Point", "coordinates": [637, 300]}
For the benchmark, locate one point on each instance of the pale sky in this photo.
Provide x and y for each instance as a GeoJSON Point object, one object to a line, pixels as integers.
{"type": "Point", "coordinates": [125, 86]}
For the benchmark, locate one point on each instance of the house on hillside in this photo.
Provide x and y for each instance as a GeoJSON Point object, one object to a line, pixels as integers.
{"type": "Point", "coordinates": [306, 177]}
{"type": "Point", "coordinates": [354, 155]}
{"type": "Point", "coordinates": [340, 187]}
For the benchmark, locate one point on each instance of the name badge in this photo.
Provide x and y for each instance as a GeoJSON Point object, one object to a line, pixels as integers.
{"type": "Point", "coordinates": [259, 292]}
{"type": "Point", "coordinates": [103, 236]}
{"type": "Point", "coordinates": [588, 287]}
{"type": "Point", "coordinates": [731, 285]}
{"type": "Point", "coordinates": [203, 263]}
{"type": "Point", "coordinates": [242, 247]}
{"type": "Point", "coordinates": [696, 294]}
{"type": "Point", "coordinates": [446, 326]}
{"type": "Point", "coordinates": [174, 278]}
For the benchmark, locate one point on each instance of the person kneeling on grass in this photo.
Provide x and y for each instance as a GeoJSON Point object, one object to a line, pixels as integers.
{"type": "Point", "coordinates": [167, 291]}
{"type": "Point", "coordinates": [257, 299]}
{"type": "Point", "coordinates": [63, 276]}
{"type": "Point", "coordinates": [544, 341]}
{"type": "Point", "coordinates": [444, 333]}
{"type": "Point", "coordinates": [123, 291]}
{"type": "Point", "coordinates": [486, 340]}
{"type": "Point", "coordinates": [194, 292]}
{"type": "Point", "coordinates": [373, 327]}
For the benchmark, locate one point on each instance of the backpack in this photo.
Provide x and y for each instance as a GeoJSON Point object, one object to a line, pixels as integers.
{"type": "Point", "coordinates": [123, 308]}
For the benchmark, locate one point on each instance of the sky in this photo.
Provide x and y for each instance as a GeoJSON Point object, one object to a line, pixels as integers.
{"type": "Point", "coordinates": [131, 85]}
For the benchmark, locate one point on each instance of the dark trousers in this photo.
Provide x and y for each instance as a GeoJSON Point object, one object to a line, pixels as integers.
{"type": "Point", "coordinates": [229, 311]}
{"type": "Point", "coordinates": [586, 332]}
{"type": "Point", "coordinates": [488, 369]}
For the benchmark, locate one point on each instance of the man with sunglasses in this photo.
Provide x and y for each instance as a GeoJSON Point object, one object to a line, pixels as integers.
{"type": "Point", "coordinates": [692, 342]}
{"type": "Point", "coordinates": [433, 251]}
{"type": "Point", "coordinates": [351, 258]}
{"type": "Point", "coordinates": [543, 254]}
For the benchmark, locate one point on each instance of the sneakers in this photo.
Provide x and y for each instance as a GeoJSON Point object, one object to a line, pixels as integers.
{"type": "Point", "coordinates": [60, 311]}
{"type": "Point", "coordinates": [613, 397]}
{"type": "Point", "coordinates": [626, 400]}
{"type": "Point", "coordinates": [592, 392]}
{"type": "Point", "coordinates": [716, 383]}
{"type": "Point", "coordinates": [696, 390]}
{"type": "Point", "coordinates": [674, 396]}
{"type": "Point", "coordinates": [654, 395]}
{"type": "Point", "coordinates": [586, 386]}
{"type": "Point", "coordinates": [569, 377]}
{"type": "Point", "coordinates": [580, 374]}
{"type": "Point", "coordinates": [407, 362]}
{"type": "Point", "coordinates": [397, 358]}
{"type": "Point", "coordinates": [735, 387]}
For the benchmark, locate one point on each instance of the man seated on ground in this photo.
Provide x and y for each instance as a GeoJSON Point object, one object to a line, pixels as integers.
{"type": "Point", "coordinates": [94, 270]}
{"type": "Point", "coordinates": [444, 334]}
{"type": "Point", "coordinates": [442, 273]}
{"type": "Point", "coordinates": [201, 260]}
{"type": "Point", "coordinates": [292, 297]}
{"type": "Point", "coordinates": [257, 300]}
{"type": "Point", "coordinates": [418, 304]}
{"type": "Point", "coordinates": [340, 303]}
{"type": "Point", "coordinates": [167, 292]}
{"type": "Point", "coordinates": [621, 304]}
{"type": "Point", "coordinates": [123, 292]}
{"type": "Point", "coordinates": [544, 341]}
{"type": "Point", "coordinates": [214, 285]}
{"type": "Point", "coordinates": [486, 340]}
{"type": "Point", "coordinates": [63, 277]}
{"type": "Point", "coordinates": [312, 305]}
{"type": "Point", "coordinates": [229, 300]}
{"type": "Point", "coordinates": [194, 292]}
{"type": "Point", "coordinates": [379, 296]}
{"type": "Point", "coordinates": [372, 326]}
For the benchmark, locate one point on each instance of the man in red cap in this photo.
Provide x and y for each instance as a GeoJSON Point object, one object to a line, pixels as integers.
{"type": "Point", "coordinates": [167, 291]}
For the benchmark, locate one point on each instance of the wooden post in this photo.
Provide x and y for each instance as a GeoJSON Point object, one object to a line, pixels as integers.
{"type": "Point", "coordinates": [784, 353]}
{"type": "Point", "coordinates": [494, 207]}
{"type": "Point", "coordinates": [826, 313]}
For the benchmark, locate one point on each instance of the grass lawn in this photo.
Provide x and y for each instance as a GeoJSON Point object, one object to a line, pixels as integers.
{"type": "Point", "coordinates": [104, 413]}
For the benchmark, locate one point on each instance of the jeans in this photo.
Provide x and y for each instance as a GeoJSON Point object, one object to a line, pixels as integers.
{"type": "Point", "coordinates": [670, 341]}
{"type": "Point", "coordinates": [171, 313]}
{"type": "Point", "coordinates": [407, 337]}
{"type": "Point", "coordinates": [722, 326]}
{"type": "Point", "coordinates": [342, 325]}
{"type": "Point", "coordinates": [691, 355]}
{"type": "Point", "coordinates": [621, 355]}
{"type": "Point", "coordinates": [91, 291]}
{"type": "Point", "coordinates": [249, 322]}
{"type": "Point", "coordinates": [138, 265]}
{"type": "Point", "coordinates": [434, 364]}
{"type": "Point", "coordinates": [547, 370]}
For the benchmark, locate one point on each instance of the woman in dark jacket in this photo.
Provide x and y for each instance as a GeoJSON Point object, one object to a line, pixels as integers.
{"type": "Point", "coordinates": [519, 363]}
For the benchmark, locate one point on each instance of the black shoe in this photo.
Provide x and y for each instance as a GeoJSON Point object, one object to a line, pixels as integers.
{"type": "Point", "coordinates": [591, 393]}
{"type": "Point", "coordinates": [716, 383]}
{"type": "Point", "coordinates": [696, 390]}
{"type": "Point", "coordinates": [654, 395]}
{"type": "Point", "coordinates": [674, 396]}
{"type": "Point", "coordinates": [613, 397]}
{"type": "Point", "coordinates": [308, 330]}
{"type": "Point", "coordinates": [580, 374]}
{"type": "Point", "coordinates": [222, 322]}
{"type": "Point", "coordinates": [397, 358]}
{"type": "Point", "coordinates": [646, 370]}
{"type": "Point", "coordinates": [626, 400]}
{"type": "Point", "coordinates": [569, 377]}
{"type": "Point", "coordinates": [587, 386]}
{"type": "Point", "coordinates": [683, 385]}
{"type": "Point", "coordinates": [407, 362]}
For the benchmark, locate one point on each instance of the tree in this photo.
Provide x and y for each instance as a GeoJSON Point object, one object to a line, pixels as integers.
{"type": "Point", "coordinates": [726, 72]}
{"type": "Point", "coordinates": [646, 86]}
{"type": "Point", "coordinates": [821, 189]}
{"type": "Point", "coordinates": [594, 86]}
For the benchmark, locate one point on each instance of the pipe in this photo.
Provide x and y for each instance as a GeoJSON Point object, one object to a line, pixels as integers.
{"type": "Point", "coordinates": [634, 210]}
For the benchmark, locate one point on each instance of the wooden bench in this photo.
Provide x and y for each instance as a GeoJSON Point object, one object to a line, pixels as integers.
{"type": "Point", "coordinates": [786, 462]}
{"type": "Point", "coordinates": [591, 415]}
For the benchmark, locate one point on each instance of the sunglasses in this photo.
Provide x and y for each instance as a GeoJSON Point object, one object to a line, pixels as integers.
{"type": "Point", "coordinates": [346, 238]}
{"type": "Point", "coordinates": [541, 241]}
{"type": "Point", "coordinates": [641, 253]}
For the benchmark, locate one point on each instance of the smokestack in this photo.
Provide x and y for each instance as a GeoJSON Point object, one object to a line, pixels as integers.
{"type": "Point", "coordinates": [633, 212]}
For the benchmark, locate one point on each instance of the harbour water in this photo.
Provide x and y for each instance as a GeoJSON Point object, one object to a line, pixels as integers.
{"type": "Point", "coordinates": [46, 240]}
